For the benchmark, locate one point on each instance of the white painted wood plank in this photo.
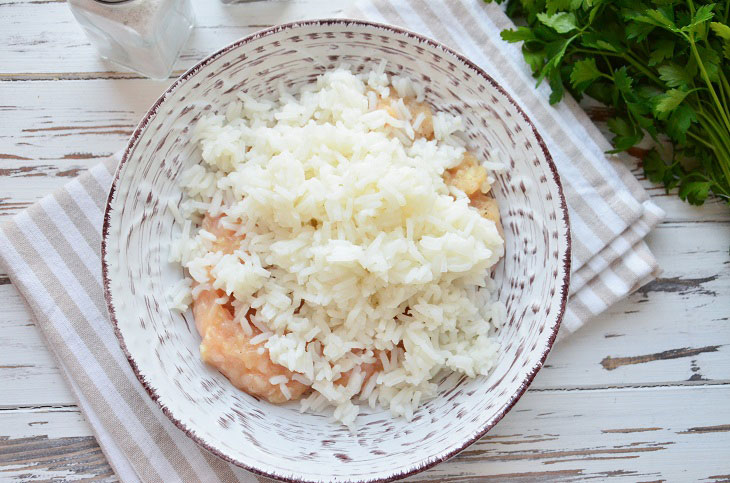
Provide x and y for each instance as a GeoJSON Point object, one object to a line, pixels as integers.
{"type": "Point", "coordinates": [684, 310]}
{"type": "Point", "coordinates": [615, 434]}
{"type": "Point", "coordinates": [71, 120]}
{"type": "Point", "coordinates": [52, 422]}
{"type": "Point", "coordinates": [28, 372]}
{"type": "Point", "coordinates": [47, 135]}
{"type": "Point", "coordinates": [630, 434]}
{"type": "Point", "coordinates": [49, 444]}
{"type": "Point", "coordinates": [687, 308]}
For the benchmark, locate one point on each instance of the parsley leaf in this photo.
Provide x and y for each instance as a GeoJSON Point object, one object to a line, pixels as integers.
{"type": "Point", "coordinates": [625, 134]}
{"type": "Point", "coordinates": [556, 84]}
{"type": "Point", "coordinates": [702, 15]}
{"type": "Point", "coordinates": [599, 42]}
{"type": "Point", "coordinates": [623, 80]}
{"type": "Point", "coordinates": [721, 30]}
{"type": "Point", "coordinates": [555, 5]}
{"type": "Point", "coordinates": [562, 22]}
{"type": "Point", "coordinates": [519, 35]}
{"type": "Point", "coordinates": [679, 122]}
{"type": "Point", "coordinates": [661, 17]}
{"type": "Point", "coordinates": [669, 101]}
{"type": "Point", "coordinates": [657, 170]}
{"type": "Point", "coordinates": [663, 49]}
{"type": "Point", "coordinates": [555, 51]}
{"type": "Point", "coordinates": [535, 59]}
{"type": "Point", "coordinates": [662, 66]}
{"type": "Point", "coordinates": [694, 192]}
{"type": "Point", "coordinates": [674, 75]}
{"type": "Point", "coordinates": [638, 31]}
{"type": "Point", "coordinates": [584, 71]}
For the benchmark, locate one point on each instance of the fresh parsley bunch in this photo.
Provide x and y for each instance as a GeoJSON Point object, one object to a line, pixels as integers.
{"type": "Point", "coordinates": [663, 66]}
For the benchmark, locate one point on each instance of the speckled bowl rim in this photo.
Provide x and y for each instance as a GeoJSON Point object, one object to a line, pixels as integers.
{"type": "Point", "coordinates": [189, 74]}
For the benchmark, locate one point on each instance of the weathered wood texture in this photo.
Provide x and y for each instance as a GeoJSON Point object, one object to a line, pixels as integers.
{"type": "Point", "coordinates": [638, 395]}
{"type": "Point", "coordinates": [602, 434]}
{"type": "Point", "coordinates": [50, 443]}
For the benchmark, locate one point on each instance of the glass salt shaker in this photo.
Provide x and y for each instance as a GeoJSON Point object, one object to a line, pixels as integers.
{"type": "Point", "coordinates": [143, 35]}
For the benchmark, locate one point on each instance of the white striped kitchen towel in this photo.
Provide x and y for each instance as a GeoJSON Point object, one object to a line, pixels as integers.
{"type": "Point", "coordinates": [52, 251]}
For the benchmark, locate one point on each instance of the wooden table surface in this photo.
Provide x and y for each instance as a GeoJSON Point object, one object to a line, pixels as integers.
{"type": "Point", "coordinates": [640, 394]}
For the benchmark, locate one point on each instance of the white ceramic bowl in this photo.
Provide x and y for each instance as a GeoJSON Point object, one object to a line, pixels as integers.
{"type": "Point", "coordinates": [278, 441]}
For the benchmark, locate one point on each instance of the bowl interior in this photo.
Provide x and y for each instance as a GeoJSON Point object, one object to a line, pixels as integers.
{"type": "Point", "coordinates": [163, 345]}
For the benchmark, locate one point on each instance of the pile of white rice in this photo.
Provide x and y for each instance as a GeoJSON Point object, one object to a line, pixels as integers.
{"type": "Point", "coordinates": [345, 213]}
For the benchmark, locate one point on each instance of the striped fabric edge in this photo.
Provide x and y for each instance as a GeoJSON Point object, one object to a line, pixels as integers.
{"type": "Point", "coordinates": [617, 248]}
{"type": "Point", "coordinates": [623, 277]}
{"type": "Point", "coordinates": [69, 307]}
{"type": "Point", "coordinates": [70, 348]}
{"type": "Point", "coordinates": [602, 206]}
{"type": "Point", "coordinates": [114, 456]}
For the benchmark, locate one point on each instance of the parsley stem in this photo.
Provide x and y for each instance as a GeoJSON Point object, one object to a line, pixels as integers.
{"type": "Point", "coordinates": [723, 104]}
{"type": "Point", "coordinates": [720, 142]}
{"type": "Point", "coordinates": [701, 65]}
{"type": "Point", "coordinates": [725, 88]}
{"type": "Point", "coordinates": [712, 127]}
{"type": "Point", "coordinates": [700, 140]}
{"type": "Point", "coordinates": [637, 65]}
{"type": "Point", "coordinates": [610, 67]}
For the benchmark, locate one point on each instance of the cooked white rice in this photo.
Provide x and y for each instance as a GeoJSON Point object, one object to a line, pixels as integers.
{"type": "Point", "coordinates": [347, 215]}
